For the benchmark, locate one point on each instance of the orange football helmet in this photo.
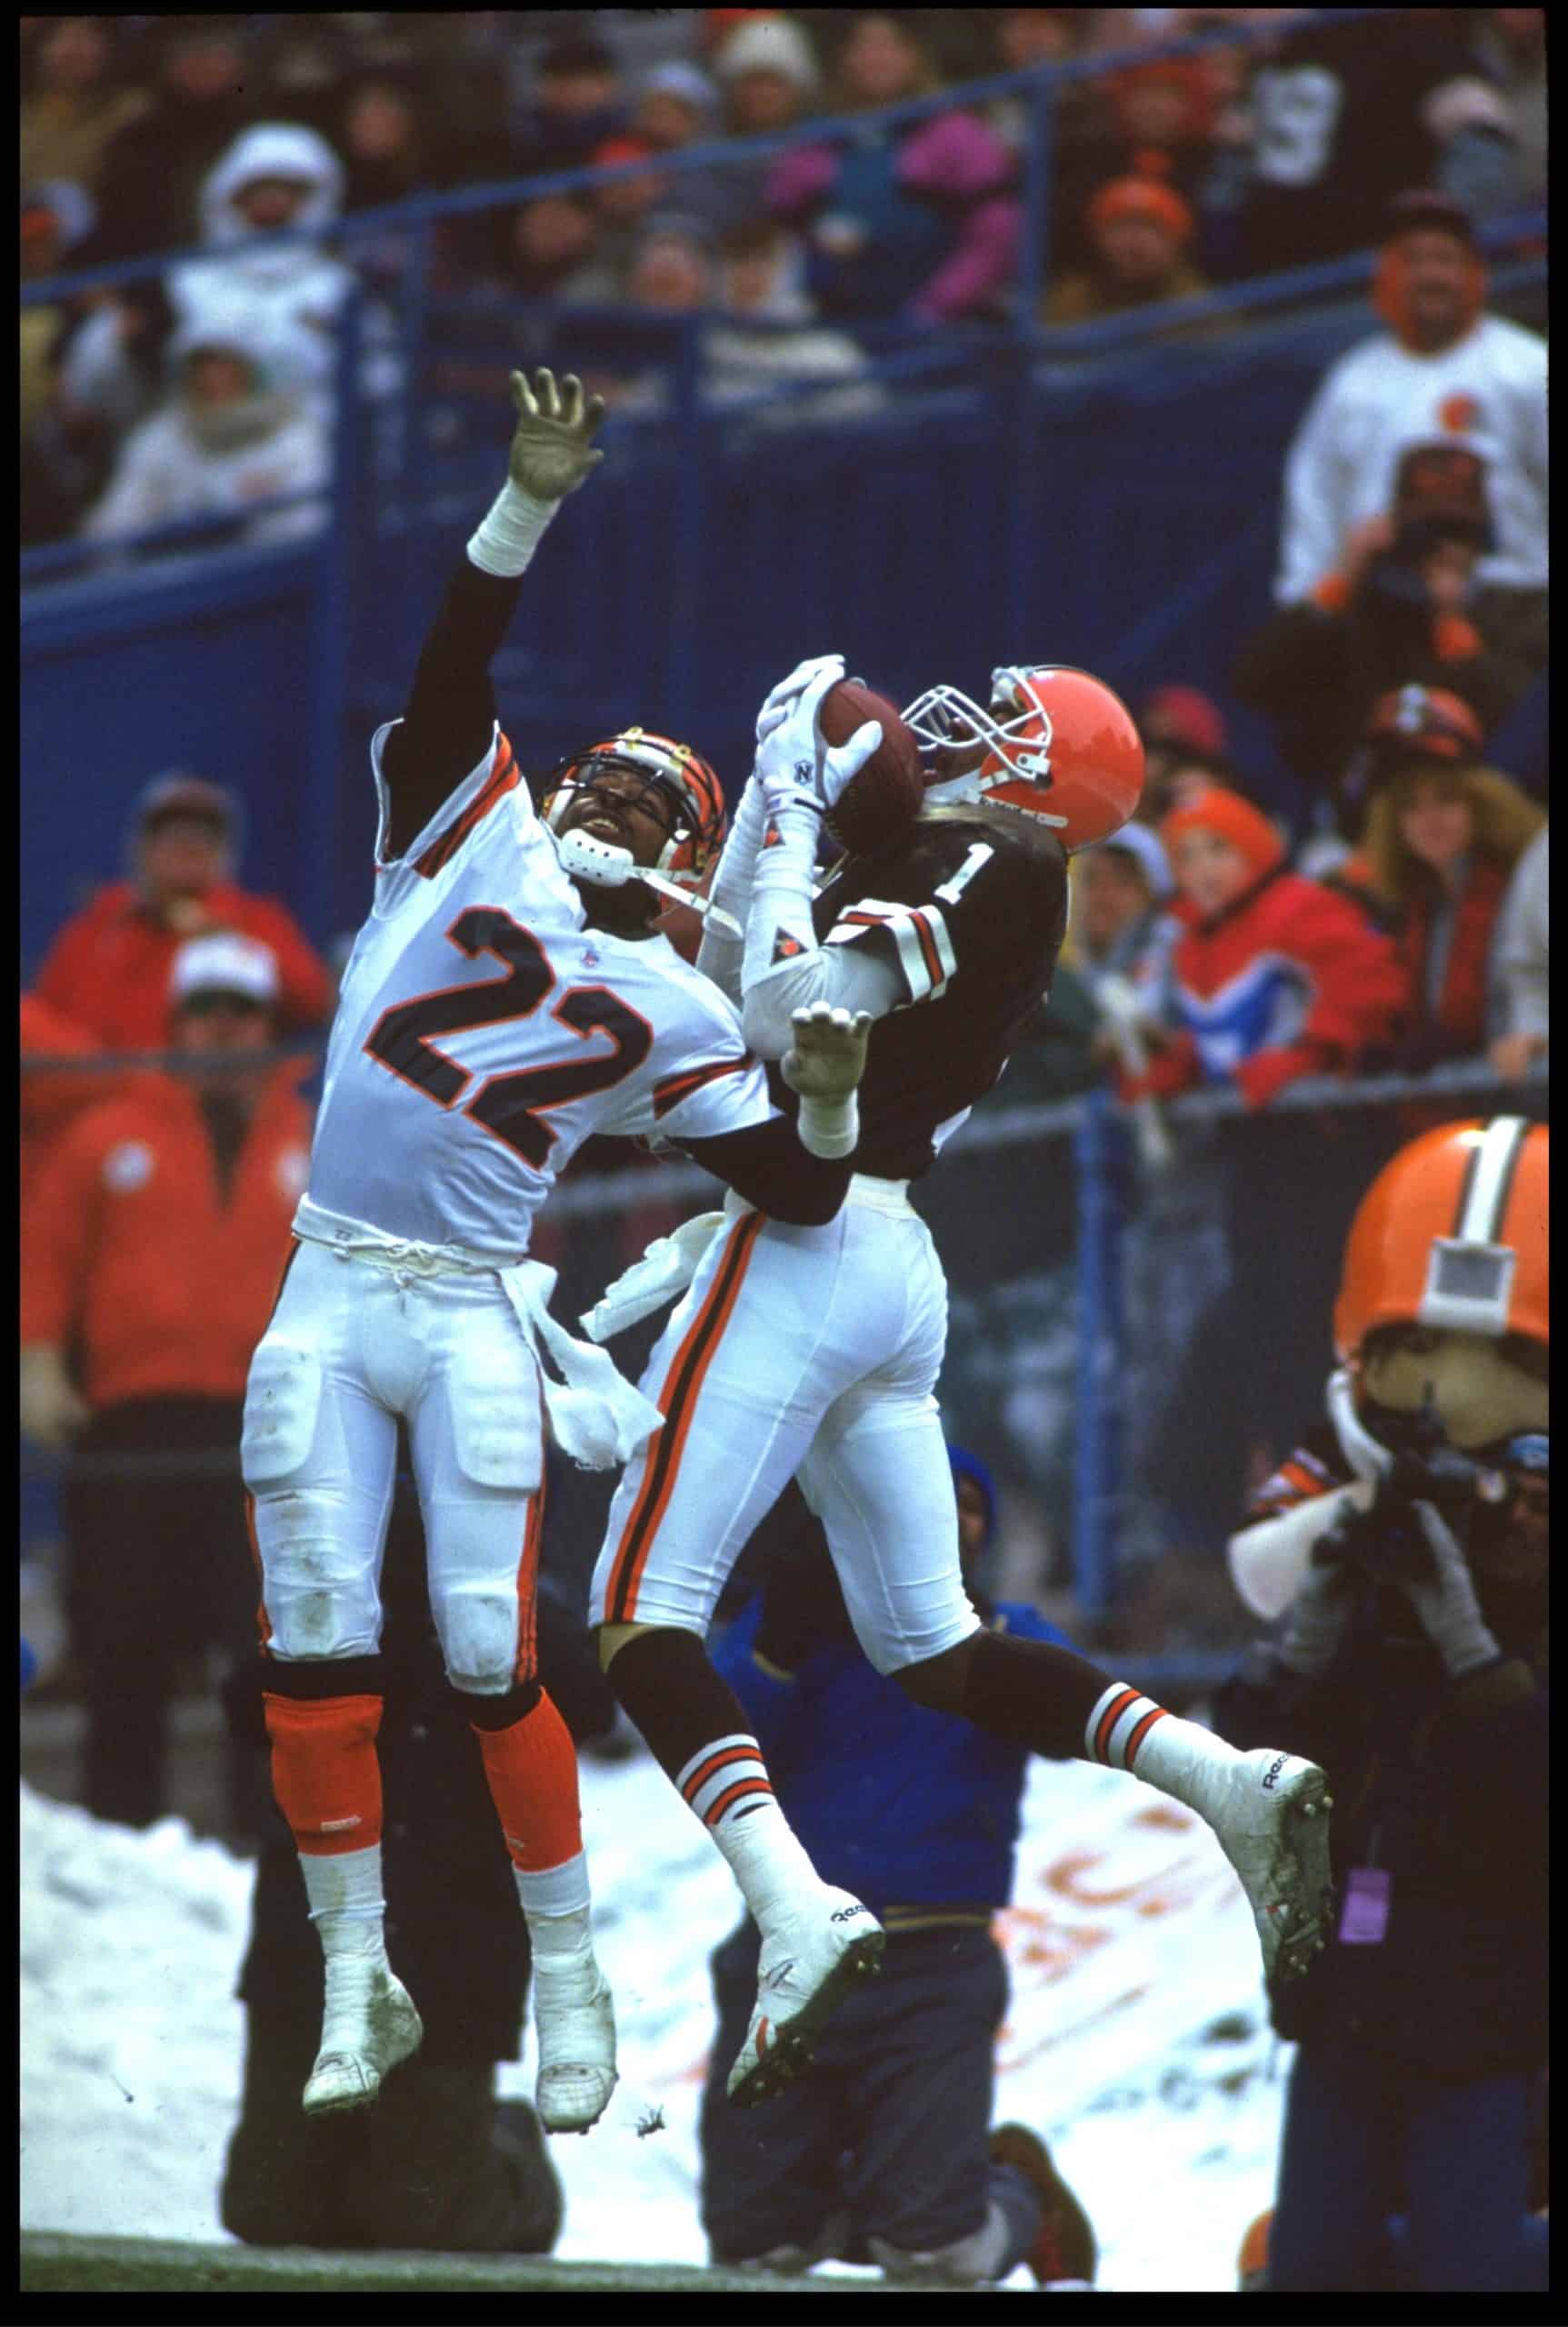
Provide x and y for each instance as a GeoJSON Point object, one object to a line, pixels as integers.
{"type": "Point", "coordinates": [691, 797]}
{"type": "Point", "coordinates": [1452, 1234]}
{"type": "Point", "coordinates": [1059, 743]}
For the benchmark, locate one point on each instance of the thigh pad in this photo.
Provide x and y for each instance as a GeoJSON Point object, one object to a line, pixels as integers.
{"type": "Point", "coordinates": [283, 1403]}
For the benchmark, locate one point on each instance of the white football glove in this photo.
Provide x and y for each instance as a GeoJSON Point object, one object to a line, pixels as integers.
{"type": "Point", "coordinates": [825, 1065]}
{"type": "Point", "coordinates": [796, 768]}
{"type": "Point", "coordinates": [782, 699]}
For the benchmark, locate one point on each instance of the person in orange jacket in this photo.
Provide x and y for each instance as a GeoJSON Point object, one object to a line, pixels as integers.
{"type": "Point", "coordinates": [53, 1097]}
{"type": "Point", "coordinates": [1275, 977]}
{"type": "Point", "coordinates": [109, 967]}
{"type": "Point", "coordinates": [156, 1237]}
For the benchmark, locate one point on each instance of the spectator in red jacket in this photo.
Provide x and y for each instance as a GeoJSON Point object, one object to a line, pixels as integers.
{"type": "Point", "coordinates": [1275, 977]}
{"type": "Point", "coordinates": [109, 968]}
{"type": "Point", "coordinates": [1442, 837]}
{"type": "Point", "coordinates": [155, 1236]}
{"type": "Point", "coordinates": [53, 1097]}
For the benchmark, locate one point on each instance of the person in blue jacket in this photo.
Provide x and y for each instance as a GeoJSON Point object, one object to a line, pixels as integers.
{"type": "Point", "coordinates": [885, 2152]}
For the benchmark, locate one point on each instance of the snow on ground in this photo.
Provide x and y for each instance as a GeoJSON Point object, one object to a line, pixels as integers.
{"type": "Point", "coordinates": [1137, 2039]}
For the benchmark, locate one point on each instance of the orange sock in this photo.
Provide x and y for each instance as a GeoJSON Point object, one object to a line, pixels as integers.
{"type": "Point", "coordinates": [325, 1770]}
{"type": "Point", "coordinates": [532, 1772]}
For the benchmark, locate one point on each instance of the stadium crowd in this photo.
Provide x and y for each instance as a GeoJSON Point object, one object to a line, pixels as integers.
{"type": "Point", "coordinates": [208, 387]}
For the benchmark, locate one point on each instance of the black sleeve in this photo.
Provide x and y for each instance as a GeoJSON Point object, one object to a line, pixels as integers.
{"type": "Point", "coordinates": [768, 1167]}
{"type": "Point", "coordinates": [451, 709]}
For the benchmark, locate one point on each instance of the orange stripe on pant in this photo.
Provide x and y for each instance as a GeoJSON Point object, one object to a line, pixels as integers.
{"type": "Point", "coordinates": [677, 1402]}
{"type": "Point", "coordinates": [527, 1664]}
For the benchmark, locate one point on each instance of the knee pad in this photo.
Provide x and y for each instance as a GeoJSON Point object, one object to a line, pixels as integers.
{"type": "Point", "coordinates": [283, 1401]}
{"type": "Point", "coordinates": [484, 1638]}
{"type": "Point", "coordinates": [321, 1601]}
{"type": "Point", "coordinates": [499, 1712]}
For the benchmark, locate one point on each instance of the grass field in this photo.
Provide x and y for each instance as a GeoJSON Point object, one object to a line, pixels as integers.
{"type": "Point", "coordinates": [58, 2265]}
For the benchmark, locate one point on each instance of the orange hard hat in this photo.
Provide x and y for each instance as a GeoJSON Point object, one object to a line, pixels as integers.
{"type": "Point", "coordinates": [1452, 1234]}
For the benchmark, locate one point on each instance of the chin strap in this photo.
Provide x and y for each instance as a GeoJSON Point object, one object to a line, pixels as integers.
{"type": "Point", "coordinates": [603, 866]}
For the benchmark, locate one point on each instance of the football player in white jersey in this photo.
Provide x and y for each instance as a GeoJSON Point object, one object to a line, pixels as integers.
{"type": "Point", "coordinates": [832, 1337]}
{"type": "Point", "coordinates": [505, 999]}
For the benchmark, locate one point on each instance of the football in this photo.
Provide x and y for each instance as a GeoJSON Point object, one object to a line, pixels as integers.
{"type": "Point", "coordinates": [879, 804]}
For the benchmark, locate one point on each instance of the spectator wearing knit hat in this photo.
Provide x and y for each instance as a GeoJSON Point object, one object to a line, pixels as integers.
{"type": "Point", "coordinates": [1402, 607]}
{"type": "Point", "coordinates": [1443, 370]}
{"type": "Point", "coordinates": [677, 106]}
{"type": "Point", "coordinates": [1121, 924]}
{"type": "Point", "coordinates": [1185, 736]}
{"type": "Point", "coordinates": [578, 103]}
{"type": "Point", "coordinates": [109, 967]}
{"type": "Point", "coordinates": [1153, 119]}
{"type": "Point", "coordinates": [767, 76]}
{"type": "Point", "coordinates": [77, 102]}
{"type": "Point", "coordinates": [1442, 837]}
{"type": "Point", "coordinates": [919, 222]}
{"type": "Point", "coordinates": [1140, 232]}
{"type": "Point", "coordinates": [1275, 977]}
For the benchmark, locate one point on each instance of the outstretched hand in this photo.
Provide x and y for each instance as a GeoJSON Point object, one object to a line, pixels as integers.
{"type": "Point", "coordinates": [827, 1057]}
{"type": "Point", "coordinates": [553, 442]}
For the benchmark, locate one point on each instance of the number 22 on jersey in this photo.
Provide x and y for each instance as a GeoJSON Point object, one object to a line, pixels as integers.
{"type": "Point", "coordinates": [511, 1105]}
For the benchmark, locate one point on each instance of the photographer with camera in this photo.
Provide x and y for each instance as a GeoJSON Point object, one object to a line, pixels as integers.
{"type": "Point", "coordinates": [1405, 1546]}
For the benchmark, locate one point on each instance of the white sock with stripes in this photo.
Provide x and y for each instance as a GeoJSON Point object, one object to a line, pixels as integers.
{"type": "Point", "coordinates": [1131, 1732]}
{"type": "Point", "coordinates": [727, 1785]}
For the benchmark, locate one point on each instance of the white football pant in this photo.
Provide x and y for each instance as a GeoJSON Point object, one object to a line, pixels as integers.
{"type": "Point", "coordinates": [351, 1346]}
{"type": "Point", "coordinates": [810, 1352]}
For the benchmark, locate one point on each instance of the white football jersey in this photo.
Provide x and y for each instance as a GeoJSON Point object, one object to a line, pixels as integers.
{"type": "Point", "coordinates": [484, 1031]}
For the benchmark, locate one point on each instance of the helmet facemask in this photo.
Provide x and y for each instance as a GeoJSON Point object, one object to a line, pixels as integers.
{"type": "Point", "coordinates": [677, 785]}
{"type": "Point", "coordinates": [1014, 767]}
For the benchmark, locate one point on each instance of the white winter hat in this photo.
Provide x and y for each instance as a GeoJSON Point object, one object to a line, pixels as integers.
{"type": "Point", "coordinates": [1138, 841]}
{"type": "Point", "coordinates": [225, 964]}
{"type": "Point", "coordinates": [687, 81]}
{"type": "Point", "coordinates": [768, 45]}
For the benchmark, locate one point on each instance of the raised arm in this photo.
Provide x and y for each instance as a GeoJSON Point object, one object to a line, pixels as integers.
{"type": "Point", "coordinates": [800, 776]}
{"type": "Point", "coordinates": [450, 717]}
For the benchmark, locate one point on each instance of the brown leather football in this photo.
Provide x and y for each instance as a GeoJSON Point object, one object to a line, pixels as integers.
{"type": "Point", "coordinates": [879, 804]}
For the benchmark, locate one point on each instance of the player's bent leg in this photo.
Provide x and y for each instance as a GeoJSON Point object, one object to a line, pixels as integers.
{"type": "Point", "coordinates": [478, 1443]}
{"type": "Point", "coordinates": [876, 1474]}
{"type": "Point", "coordinates": [319, 1456]}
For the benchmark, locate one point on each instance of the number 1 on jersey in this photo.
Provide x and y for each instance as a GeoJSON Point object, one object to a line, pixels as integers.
{"type": "Point", "coordinates": [978, 856]}
{"type": "Point", "coordinates": [508, 1105]}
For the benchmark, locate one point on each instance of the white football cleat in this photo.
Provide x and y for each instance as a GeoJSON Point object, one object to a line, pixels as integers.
{"type": "Point", "coordinates": [368, 2026]}
{"type": "Point", "coordinates": [809, 1963]}
{"type": "Point", "coordinates": [1271, 1814]}
{"type": "Point", "coordinates": [574, 2023]}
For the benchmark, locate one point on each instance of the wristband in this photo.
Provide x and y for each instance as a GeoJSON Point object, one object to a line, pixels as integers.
{"type": "Point", "coordinates": [511, 533]}
{"type": "Point", "coordinates": [829, 1127]}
